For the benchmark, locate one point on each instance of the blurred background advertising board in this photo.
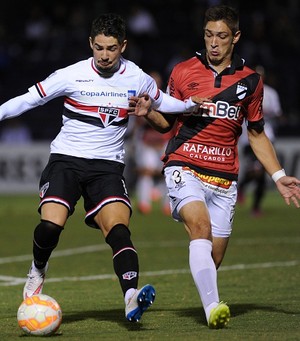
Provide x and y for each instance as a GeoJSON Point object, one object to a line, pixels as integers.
{"type": "Point", "coordinates": [21, 167]}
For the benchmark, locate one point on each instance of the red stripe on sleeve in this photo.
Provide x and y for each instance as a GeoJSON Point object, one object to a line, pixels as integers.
{"type": "Point", "coordinates": [41, 89]}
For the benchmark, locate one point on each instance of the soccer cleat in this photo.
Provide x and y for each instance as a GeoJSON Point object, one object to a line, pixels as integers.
{"type": "Point", "coordinates": [219, 316]}
{"type": "Point", "coordinates": [35, 281]}
{"type": "Point", "coordinates": [139, 302]}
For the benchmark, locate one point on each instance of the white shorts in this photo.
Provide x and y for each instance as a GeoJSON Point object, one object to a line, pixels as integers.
{"type": "Point", "coordinates": [218, 194]}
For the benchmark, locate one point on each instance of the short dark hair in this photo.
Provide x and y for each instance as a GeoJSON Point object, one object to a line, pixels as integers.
{"type": "Point", "coordinates": [222, 12]}
{"type": "Point", "coordinates": [111, 25]}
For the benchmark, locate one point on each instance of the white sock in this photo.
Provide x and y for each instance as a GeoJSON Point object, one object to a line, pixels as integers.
{"type": "Point", "coordinates": [204, 272]}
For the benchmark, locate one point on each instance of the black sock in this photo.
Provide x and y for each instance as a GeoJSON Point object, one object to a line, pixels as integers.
{"type": "Point", "coordinates": [46, 236]}
{"type": "Point", "coordinates": [125, 257]}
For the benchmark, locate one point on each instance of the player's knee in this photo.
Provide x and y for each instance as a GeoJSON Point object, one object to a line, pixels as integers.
{"type": "Point", "coordinates": [46, 234]}
{"type": "Point", "coordinates": [198, 230]}
{"type": "Point", "coordinates": [118, 236]}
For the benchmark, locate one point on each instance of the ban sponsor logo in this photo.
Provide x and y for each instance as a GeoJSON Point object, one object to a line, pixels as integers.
{"type": "Point", "coordinates": [221, 109]}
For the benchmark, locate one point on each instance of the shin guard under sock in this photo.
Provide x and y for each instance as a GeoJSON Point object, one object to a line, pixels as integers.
{"type": "Point", "coordinates": [46, 236]}
{"type": "Point", "coordinates": [125, 259]}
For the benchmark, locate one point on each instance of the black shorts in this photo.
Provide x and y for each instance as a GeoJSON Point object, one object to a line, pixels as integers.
{"type": "Point", "coordinates": [100, 182]}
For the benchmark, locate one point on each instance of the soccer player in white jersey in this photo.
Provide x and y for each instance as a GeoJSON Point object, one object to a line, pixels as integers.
{"type": "Point", "coordinates": [87, 155]}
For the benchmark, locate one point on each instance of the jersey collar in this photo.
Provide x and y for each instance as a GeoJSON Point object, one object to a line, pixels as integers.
{"type": "Point", "coordinates": [120, 71]}
{"type": "Point", "coordinates": [237, 63]}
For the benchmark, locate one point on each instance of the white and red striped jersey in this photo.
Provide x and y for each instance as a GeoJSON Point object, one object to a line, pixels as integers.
{"type": "Point", "coordinates": [95, 109]}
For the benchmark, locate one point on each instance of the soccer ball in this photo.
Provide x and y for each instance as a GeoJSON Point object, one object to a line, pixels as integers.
{"type": "Point", "coordinates": [39, 315]}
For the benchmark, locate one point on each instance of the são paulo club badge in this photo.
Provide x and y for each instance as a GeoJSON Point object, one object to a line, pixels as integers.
{"type": "Point", "coordinates": [108, 114]}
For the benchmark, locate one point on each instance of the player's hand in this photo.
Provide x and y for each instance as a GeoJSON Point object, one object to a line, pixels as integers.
{"type": "Point", "coordinates": [200, 109]}
{"type": "Point", "coordinates": [289, 188]}
{"type": "Point", "coordinates": [139, 106]}
{"type": "Point", "coordinates": [201, 100]}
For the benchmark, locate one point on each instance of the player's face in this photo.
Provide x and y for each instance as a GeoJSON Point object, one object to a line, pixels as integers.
{"type": "Point", "coordinates": [219, 43]}
{"type": "Point", "coordinates": [106, 51]}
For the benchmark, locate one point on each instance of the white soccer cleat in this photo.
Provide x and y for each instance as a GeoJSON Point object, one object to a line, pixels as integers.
{"type": "Point", "coordinates": [139, 302]}
{"type": "Point", "coordinates": [35, 281]}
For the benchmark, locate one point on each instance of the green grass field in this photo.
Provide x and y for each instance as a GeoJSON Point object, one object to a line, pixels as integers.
{"type": "Point", "coordinates": [259, 278]}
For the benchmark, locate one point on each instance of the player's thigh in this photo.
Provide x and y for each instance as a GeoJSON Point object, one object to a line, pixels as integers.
{"type": "Point", "coordinates": [183, 188]}
{"type": "Point", "coordinates": [111, 215]}
{"type": "Point", "coordinates": [56, 213]}
{"type": "Point", "coordinates": [222, 210]}
{"type": "Point", "coordinates": [59, 189]}
{"type": "Point", "coordinates": [221, 207]}
{"type": "Point", "coordinates": [195, 217]}
{"type": "Point", "coordinates": [106, 201]}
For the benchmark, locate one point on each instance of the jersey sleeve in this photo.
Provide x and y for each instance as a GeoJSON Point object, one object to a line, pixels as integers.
{"type": "Point", "coordinates": [171, 105]}
{"type": "Point", "coordinates": [53, 86]}
{"type": "Point", "coordinates": [173, 89]}
{"type": "Point", "coordinates": [255, 112]}
{"type": "Point", "coordinates": [42, 92]}
{"type": "Point", "coordinates": [17, 106]}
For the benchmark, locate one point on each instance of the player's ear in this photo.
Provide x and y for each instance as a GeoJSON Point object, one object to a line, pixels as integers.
{"type": "Point", "coordinates": [236, 37]}
{"type": "Point", "coordinates": [123, 46]}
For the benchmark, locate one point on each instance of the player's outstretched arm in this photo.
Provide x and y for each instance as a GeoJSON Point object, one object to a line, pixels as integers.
{"type": "Point", "coordinates": [17, 106]}
{"type": "Point", "coordinates": [142, 105]}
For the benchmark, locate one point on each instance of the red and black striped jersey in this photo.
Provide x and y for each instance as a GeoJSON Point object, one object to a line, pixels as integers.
{"type": "Point", "coordinates": [207, 141]}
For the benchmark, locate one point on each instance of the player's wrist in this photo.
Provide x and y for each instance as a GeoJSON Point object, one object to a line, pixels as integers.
{"type": "Point", "coordinates": [278, 175]}
{"type": "Point", "coordinates": [189, 104]}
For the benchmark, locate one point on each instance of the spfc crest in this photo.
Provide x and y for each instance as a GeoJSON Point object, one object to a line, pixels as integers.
{"type": "Point", "coordinates": [44, 189]}
{"type": "Point", "coordinates": [241, 91]}
{"type": "Point", "coordinates": [107, 115]}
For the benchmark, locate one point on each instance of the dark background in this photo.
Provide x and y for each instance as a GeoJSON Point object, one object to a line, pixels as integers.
{"type": "Point", "coordinates": [38, 37]}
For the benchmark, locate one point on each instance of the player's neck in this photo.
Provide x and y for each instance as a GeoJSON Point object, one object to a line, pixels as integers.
{"type": "Point", "coordinates": [107, 73]}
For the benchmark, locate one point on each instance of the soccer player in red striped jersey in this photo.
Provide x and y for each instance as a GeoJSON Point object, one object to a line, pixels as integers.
{"type": "Point", "coordinates": [201, 161]}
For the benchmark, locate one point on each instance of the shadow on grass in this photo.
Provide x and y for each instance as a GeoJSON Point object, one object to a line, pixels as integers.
{"type": "Point", "coordinates": [241, 309]}
{"type": "Point", "coordinates": [235, 310]}
{"type": "Point", "coordinates": [197, 314]}
{"type": "Point", "coordinates": [113, 315]}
